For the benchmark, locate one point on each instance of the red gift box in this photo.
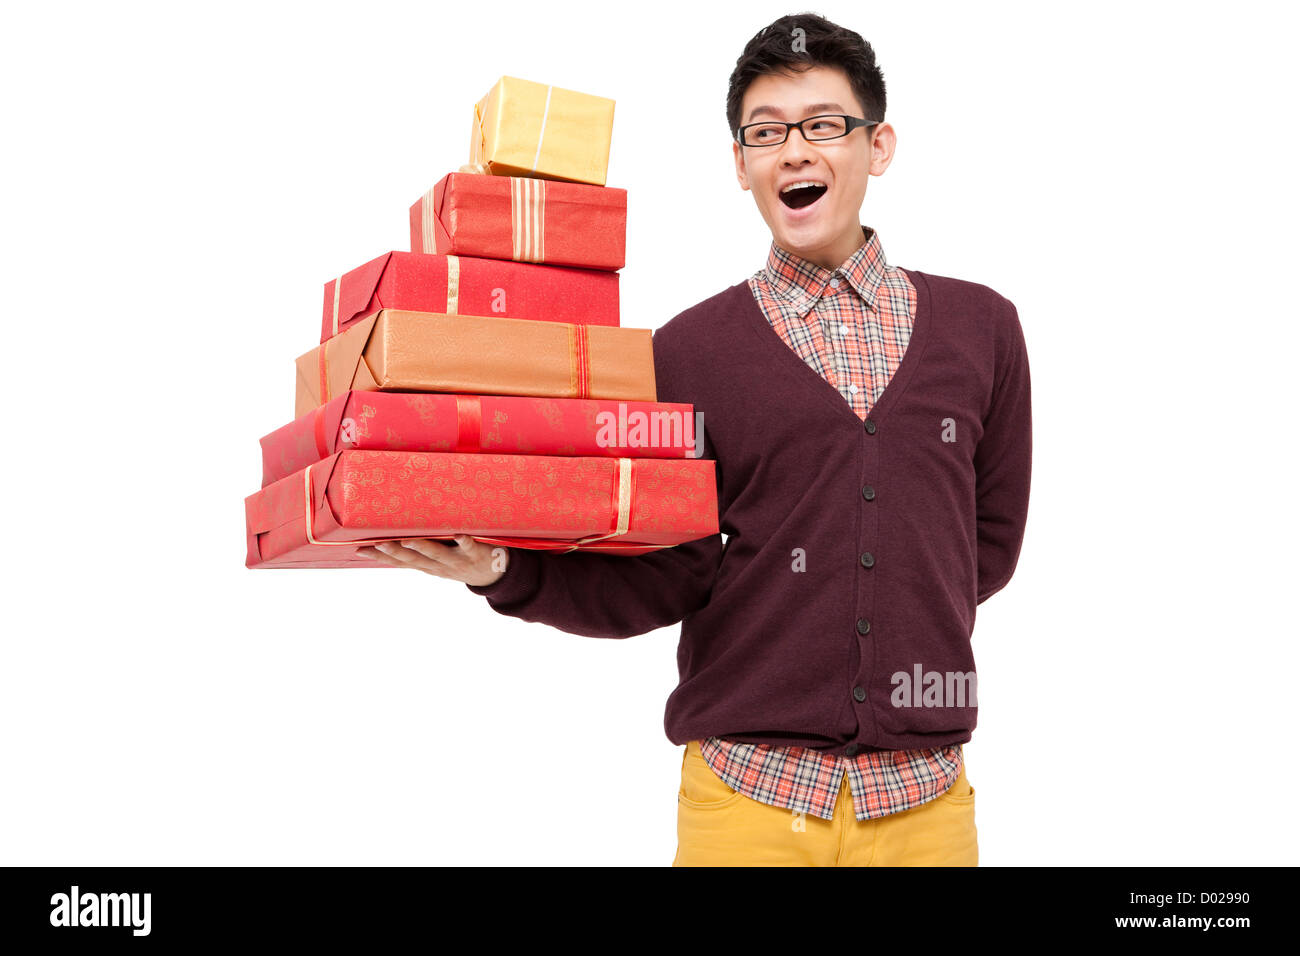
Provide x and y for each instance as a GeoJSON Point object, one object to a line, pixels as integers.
{"type": "Point", "coordinates": [497, 424]}
{"type": "Point", "coordinates": [523, 219]}
{"type": "Point", "coordinates": [318, 517]}
{"type": "Point", "coordinates": [464, 285]}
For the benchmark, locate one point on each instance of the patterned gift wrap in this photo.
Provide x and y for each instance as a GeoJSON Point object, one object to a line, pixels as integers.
{"type": "Point", "coordinates": [318, 517]}
{"type": "Point", "coordinates": [499, 424]}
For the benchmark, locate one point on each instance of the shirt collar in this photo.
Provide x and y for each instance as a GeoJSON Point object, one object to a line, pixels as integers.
{"type": "Point", "coordinates": [801, 283]}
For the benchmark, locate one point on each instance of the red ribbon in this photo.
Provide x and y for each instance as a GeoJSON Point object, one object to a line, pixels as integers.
{"type": "Point", "coordinates": [469, 423]}
{"type": "Point", "coordinates": [324, 376]}
{"type": "Point", "coordinates": [318, 429]}
{"type": "Point", "coordinates": [582, 350]}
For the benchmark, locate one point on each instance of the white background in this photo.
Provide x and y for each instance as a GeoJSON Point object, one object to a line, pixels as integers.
{"type": "Point", "coordinates": [178, 186]}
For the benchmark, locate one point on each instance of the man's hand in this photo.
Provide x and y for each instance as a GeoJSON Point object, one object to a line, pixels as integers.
{"type": "Point", "coordinates": [468, 561]}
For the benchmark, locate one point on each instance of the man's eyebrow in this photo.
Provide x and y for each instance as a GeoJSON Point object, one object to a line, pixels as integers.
{"type": "Point", "coordinates": [811, 110]}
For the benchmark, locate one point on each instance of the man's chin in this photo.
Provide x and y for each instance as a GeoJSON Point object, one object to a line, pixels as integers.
{"type": "Point", "coordinates": [803, 238]}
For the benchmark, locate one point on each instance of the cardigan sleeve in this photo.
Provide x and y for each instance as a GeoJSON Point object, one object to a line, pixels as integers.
{"type": "Point", "coordinates": [1002, 464]}
{"type": "Point", "coordinates": [604, 595]}
{"type": "Point", "coordinates": [607, 595]}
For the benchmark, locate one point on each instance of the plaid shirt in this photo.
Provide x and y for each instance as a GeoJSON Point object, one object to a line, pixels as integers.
{"type": "Point", "coordinates": [852, 326]}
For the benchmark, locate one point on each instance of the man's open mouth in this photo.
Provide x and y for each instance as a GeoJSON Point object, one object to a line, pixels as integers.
{"type": "Point", "coordinates": [798, 195]}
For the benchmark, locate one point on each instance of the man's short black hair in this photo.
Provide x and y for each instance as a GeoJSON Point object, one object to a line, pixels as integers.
{"type": "Point", "coordinates": [800, 41]}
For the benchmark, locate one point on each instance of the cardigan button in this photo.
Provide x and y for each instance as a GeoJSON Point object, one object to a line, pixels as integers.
{"type": "Point", "coordinates": [868, 492]}
{"type": "Point", "coordinates": [863, 625]}
{"type": "Point", "coordinates": [870, 426]}
{"type": "Point", "coordinates": [850, 750]}
{"type": "Point", "coordinates": [859, 694]}
{"type": "Point", "coordinates": [867, 559]}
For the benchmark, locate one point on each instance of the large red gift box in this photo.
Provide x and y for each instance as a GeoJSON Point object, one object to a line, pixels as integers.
{"type": "Point", "coordinates": [500, 424]}
{"type": "Point", "coordinates": [522, 219]}
{"type": "Point", "coordinates": [465, 285]}
{"type": "Point", "coordinates": [318, 517]}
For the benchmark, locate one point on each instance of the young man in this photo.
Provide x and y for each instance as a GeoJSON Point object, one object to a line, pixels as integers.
{"type": "Point", "coordinates": [871, 429]}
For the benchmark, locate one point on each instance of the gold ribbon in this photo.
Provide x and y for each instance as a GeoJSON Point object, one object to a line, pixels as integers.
{"type": "Point", "coordinates": [540, 133]}
{"type": "Point", "coordinates": [453, 284]}
{"type": "Point", "coordinates": [427, 222]}
{"type": "Point", "coordinates": [338, 289]}
{"type": "Point", "coordinates": [624, 503]}
{"type": "Point", "coordinates": [527, 219]}
{"type": "Point", "coordinates": [478, 161]}
{"type": "Point", "coordinates": [478, 153]}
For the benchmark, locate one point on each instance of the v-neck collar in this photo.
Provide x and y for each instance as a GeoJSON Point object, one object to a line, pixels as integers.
{"type": "Point", "coordinates": [920, 337]}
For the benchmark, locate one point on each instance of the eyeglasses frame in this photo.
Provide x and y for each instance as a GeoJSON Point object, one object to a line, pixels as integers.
{"type": "Point", "coordinates": [851, 123]}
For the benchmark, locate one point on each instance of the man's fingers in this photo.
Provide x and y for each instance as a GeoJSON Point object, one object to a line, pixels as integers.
{"type": "Point", "coordinates": [407, 558]}
{"type": "Point", "coordinates": [470, 549]}
{"type": "Point", "coordinates": [382, 557]}
{"type": "Point", "coordinates": [433, 550]}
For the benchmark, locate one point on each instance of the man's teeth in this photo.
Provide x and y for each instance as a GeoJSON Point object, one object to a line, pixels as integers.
{"type": "Point", "coordinates": [808, 182]}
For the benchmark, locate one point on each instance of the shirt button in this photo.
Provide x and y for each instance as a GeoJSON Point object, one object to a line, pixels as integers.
{"type": "Point", "coordinates": [868, 492]}
{"type": "Point", "coordinates": [835, 283]}
{"type": "Point", "coordinates": [859, 694]}
{"type": "Point", "coordinates": [853, 390]}
{"type": "Point", "coordinates": [870, 426]}
{"type": "Point", "coordinates": [863, 625]}
{"type": "Point", "coordinates": [844, 330]}
{"type": "Point", "coordinates": [867, 559]}
{"type": "Point", "coordinates": [850, 750]}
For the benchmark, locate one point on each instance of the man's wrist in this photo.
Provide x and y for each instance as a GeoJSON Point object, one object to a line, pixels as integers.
{"type": "Point", "coordinates": [519, 580]}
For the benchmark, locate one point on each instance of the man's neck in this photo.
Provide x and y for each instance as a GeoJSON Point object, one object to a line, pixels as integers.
{"type": "Point", "coordinates": [833, 259]}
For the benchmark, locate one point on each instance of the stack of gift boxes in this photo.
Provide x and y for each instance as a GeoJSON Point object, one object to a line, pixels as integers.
{"type": "Point", "coordinates": [481, 383]}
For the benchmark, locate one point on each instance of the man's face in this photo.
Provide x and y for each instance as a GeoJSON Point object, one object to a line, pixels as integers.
{"type": "Point", "coordinates": [826, 231]}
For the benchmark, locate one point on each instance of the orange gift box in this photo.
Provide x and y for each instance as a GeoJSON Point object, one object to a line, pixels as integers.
{"type": "Point", "coordinates": [469, 285]}
{"type": "Point", "coordinates": [522, 219]}
{"type": "Point", "coordinates": [431, 352]}
{"type": "Point", "coordinates": [318, 517]}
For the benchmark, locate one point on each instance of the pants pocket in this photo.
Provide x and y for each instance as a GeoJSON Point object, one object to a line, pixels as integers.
{"type": "Point", "coordinates": [701, 788]}
{"type": "Point", "coordinates": [961, 792]}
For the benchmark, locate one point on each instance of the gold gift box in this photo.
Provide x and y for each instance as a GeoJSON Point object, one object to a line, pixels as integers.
{"type": "Point", "coordinates": [523, 128]}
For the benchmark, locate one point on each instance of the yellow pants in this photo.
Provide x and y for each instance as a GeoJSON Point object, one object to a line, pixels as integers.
{"type": "Point", "coordinates": [719, 826]}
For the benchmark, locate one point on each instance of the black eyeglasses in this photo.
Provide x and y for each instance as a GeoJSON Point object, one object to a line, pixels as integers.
{"type": "Point", "coordinates": [819, 128]}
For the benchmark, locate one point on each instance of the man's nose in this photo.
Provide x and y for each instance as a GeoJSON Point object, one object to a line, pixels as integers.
{"type": "Point", "coordinates": [796, 148]}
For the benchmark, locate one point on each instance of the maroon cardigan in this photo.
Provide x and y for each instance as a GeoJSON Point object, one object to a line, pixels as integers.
{"type": "Point", "coordinates": [855, 551]}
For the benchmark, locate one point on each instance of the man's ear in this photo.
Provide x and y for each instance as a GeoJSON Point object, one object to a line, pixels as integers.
{"type": "Point", "coordinates": [883, 142]}
{"type": "Point", "coordinates": [741, 174]}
